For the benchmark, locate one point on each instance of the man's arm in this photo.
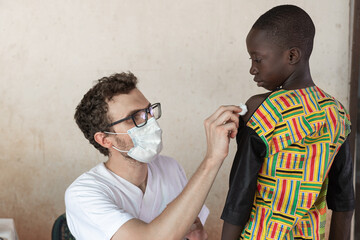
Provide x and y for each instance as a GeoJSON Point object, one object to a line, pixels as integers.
{"type": "Point", "coordinates": [197, 231]}
{"type": "Point", "coordinates": [177, 218]}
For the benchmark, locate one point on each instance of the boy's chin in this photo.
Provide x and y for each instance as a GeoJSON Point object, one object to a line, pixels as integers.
{"type": "Point", "coordinates": [266, 86]}
{"type": "Point", "coordinates": [271, 88]}
{"type": "Point", "coordinates": [261, 84]}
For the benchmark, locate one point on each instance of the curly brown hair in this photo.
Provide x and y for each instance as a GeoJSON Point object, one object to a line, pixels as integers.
{"type": "Point", "coordinates": [91, 113]}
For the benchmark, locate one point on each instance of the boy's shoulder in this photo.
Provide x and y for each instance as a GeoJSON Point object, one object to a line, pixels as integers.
{"type": "Point", "coordinates": [253, 103]}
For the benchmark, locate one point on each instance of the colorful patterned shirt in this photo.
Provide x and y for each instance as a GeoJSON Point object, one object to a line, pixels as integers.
{"type": "Point", "coordinates": [279, 178]}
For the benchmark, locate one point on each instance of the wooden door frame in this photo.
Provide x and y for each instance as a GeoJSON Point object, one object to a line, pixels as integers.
{"type": "Point", "coordinates": [354, 105]}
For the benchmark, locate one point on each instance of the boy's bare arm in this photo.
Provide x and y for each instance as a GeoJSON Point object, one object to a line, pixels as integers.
{"type": "Point", "coordinates": [340, 225]}
{"type": "Point", "coordinates": [253, 103]}
{"type": "Point", "coordinates": [230, 231]}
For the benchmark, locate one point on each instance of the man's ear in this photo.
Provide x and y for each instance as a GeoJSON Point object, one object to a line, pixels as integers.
{"type": "Point", "coordinates": [294, 55]}
{"type": "Point", "coordinates": [102, 139]}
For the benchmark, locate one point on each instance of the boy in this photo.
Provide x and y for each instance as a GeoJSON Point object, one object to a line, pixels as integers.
{"type": "Point", "coordinates": [292, 151]}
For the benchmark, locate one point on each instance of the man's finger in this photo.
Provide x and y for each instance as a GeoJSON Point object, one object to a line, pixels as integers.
{"type": "Point", "coordinates": [222, 109]}
{"type": "Point", "coordinates": [227, 117]}
{"type": "Point", "coordinates": [231, 128]}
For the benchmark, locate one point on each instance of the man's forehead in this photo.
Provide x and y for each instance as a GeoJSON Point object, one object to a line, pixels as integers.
{"type": "Point", "coordinates": [123, 105]}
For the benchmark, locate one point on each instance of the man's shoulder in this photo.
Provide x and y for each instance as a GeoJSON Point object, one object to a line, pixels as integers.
{"type": "Point", "coordinates": [93, 179]}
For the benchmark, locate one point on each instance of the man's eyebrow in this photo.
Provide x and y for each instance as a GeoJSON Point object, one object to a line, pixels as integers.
{"type": "Point", "coordinates": [136, 110]}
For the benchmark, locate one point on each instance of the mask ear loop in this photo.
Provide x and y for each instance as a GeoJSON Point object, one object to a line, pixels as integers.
{"type": "Point", "coordinates": [119, 149]}
{"type": "Point", "coordinates": [112, 133]}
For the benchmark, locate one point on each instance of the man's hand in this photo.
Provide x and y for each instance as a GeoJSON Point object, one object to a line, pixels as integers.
{"type": "Point", "coordinates": [219, 128]}
{"type": "Point", "coordinates": [197, 231]}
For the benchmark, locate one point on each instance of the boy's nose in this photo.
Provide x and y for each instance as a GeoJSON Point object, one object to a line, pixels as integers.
{"type": "Point", "coordinates": [253, 70]}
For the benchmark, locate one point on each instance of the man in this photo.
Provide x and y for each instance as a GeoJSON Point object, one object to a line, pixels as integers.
{"type": "Point", "coordinates": [137, 193]}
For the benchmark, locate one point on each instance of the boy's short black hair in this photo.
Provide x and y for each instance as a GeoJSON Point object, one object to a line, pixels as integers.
{"type": "Point", "coordinates": [288, 26]}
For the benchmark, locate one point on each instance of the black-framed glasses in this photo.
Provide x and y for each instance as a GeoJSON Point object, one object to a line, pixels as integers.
{"type": "Point", "coordinates": [140, 117]}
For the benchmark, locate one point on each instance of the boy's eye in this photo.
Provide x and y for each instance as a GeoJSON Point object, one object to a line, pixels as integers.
{"type": "Point", "coordinates": [257, 60]}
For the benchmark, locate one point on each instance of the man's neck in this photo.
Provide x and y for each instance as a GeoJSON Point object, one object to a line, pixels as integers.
{"type": "Point", "coordinates": [131, 170]}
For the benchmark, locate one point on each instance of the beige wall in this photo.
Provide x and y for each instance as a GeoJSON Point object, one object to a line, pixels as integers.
{"type": "Point", "coordinates": [189, 55]}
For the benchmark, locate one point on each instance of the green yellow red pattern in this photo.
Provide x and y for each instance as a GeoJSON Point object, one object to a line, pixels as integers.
{"type": "Point", "coordinates": [302, 130]}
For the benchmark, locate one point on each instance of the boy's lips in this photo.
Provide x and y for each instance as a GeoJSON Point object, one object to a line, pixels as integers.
{"type": "Point", "coordinates": [258, 82]}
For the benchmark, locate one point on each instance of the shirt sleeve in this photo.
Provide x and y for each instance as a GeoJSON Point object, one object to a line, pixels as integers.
{"type": "Point", "coordinates": [243, 176]}
{"type": "Point", "coordinates": [340, 194]}
{"type": "Point", "coordinates": [91, 207]}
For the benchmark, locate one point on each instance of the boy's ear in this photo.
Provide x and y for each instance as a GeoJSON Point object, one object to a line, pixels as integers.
{"type": "Point", "coordinates": [294, 55]}
{"type": "Point", "coordinates": [102, 139]}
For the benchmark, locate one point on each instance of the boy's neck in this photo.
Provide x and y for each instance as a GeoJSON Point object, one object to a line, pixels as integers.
{"type": "Point", "coordinates": [300, 78]}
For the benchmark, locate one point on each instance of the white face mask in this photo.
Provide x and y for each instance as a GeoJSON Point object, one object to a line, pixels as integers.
{"type": "Point", "coordinates": [147, 141]}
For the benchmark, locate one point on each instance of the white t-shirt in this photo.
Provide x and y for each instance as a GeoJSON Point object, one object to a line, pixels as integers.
{"type": "Point", "coordinates": [99, 202]}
